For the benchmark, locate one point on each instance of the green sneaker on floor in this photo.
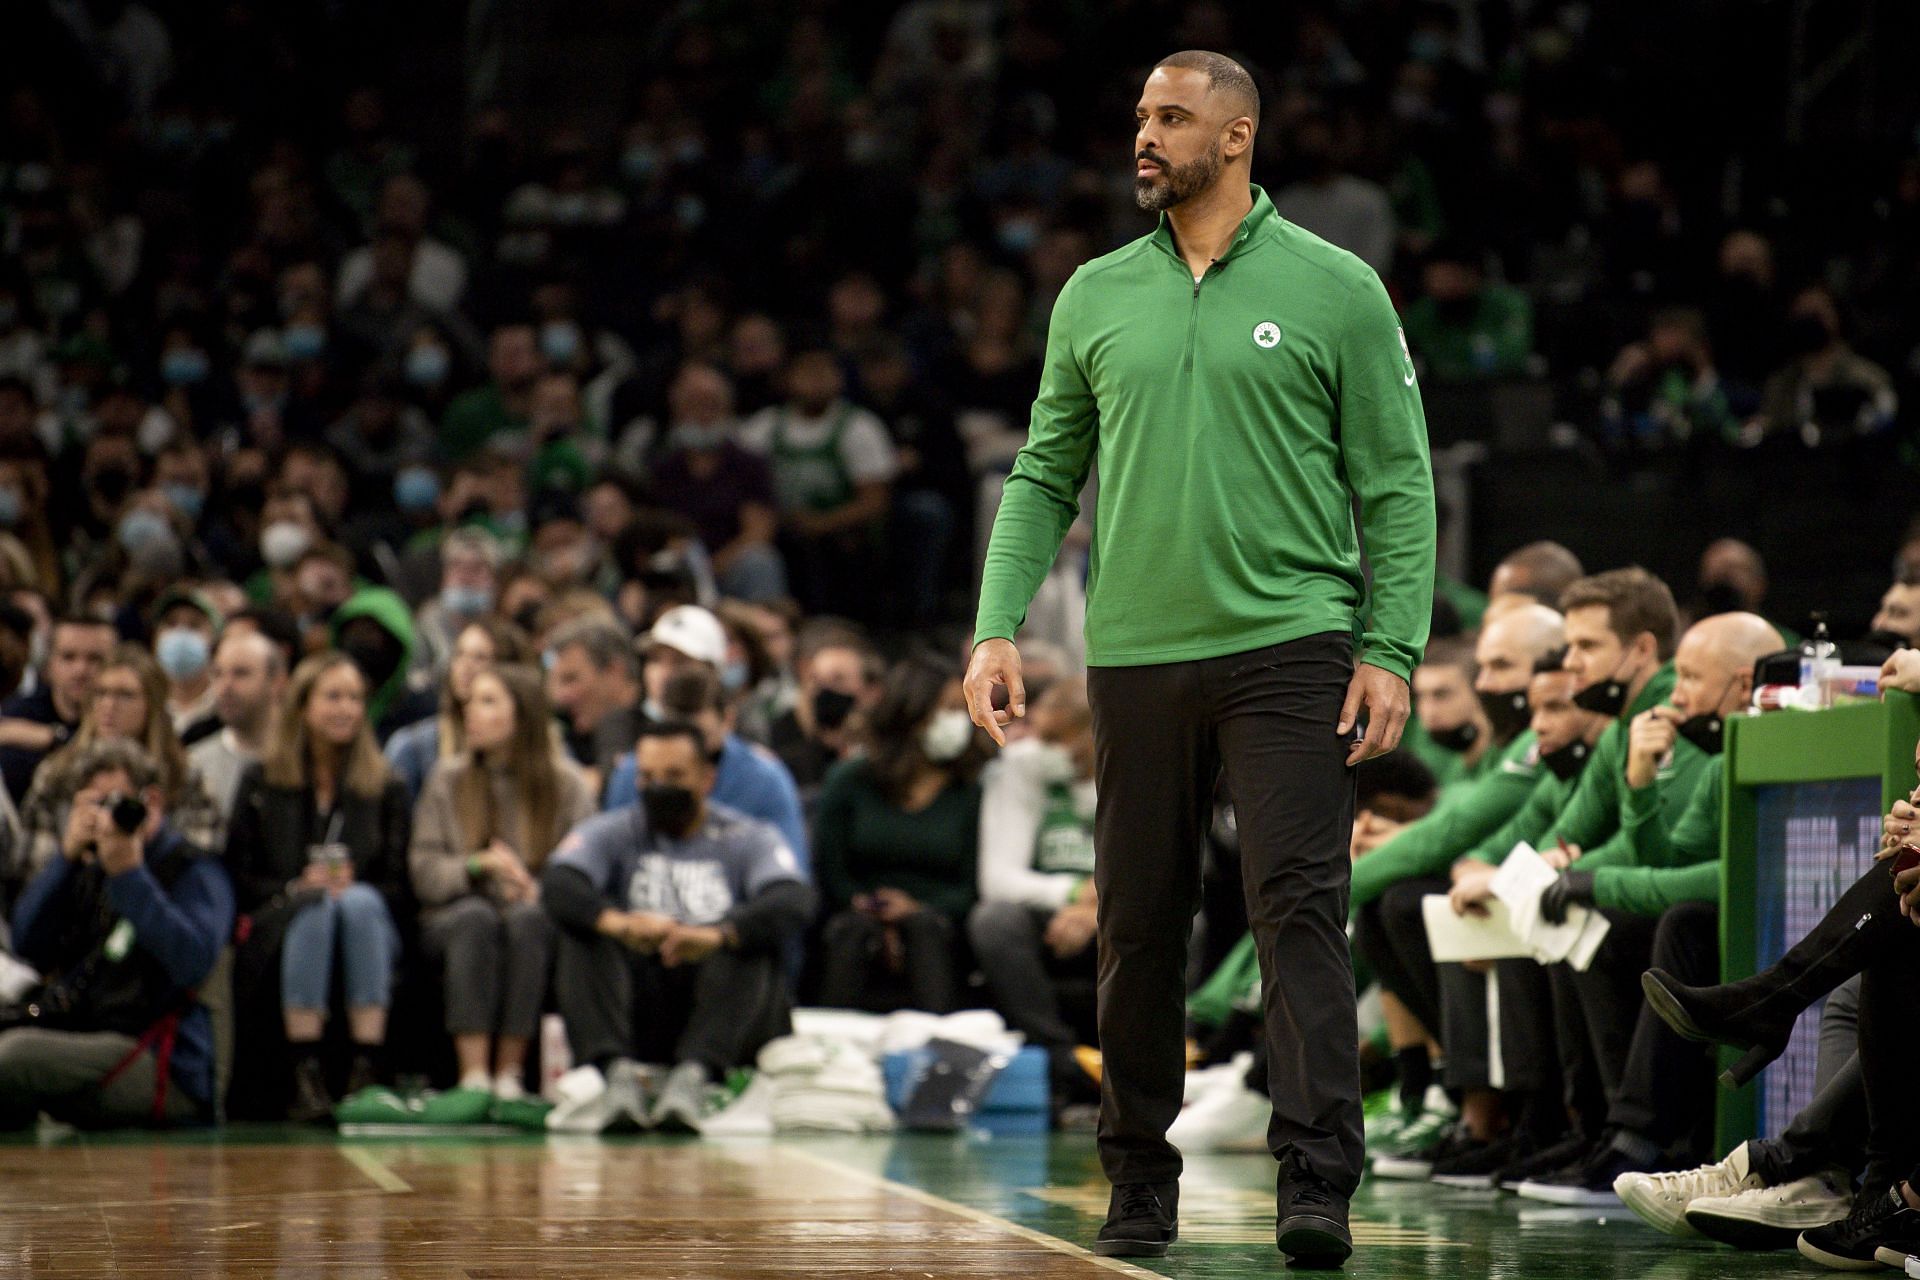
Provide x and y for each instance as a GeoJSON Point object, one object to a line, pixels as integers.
{"type": "Point", "coordinates": [526, 1112]}
{"type": "Point", "coordinates": [1409, 1153]}
{"type": "Point", "coordinates": [458, 1106]}
{"type": "Point", "coordinates": [375, 1104]}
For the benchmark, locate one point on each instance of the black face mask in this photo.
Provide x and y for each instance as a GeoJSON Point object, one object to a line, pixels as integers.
{"type": "Point", "coordinates": [1890, 640]}
{"type": "Point", "coordinates": [831, 708]}
{"type": "Point", "coordinates": [1706, 732]}
{"type": "Point", "coordinates": [1508, 713]}
{"type": "Point", "coordinates": [671, 810]}
{"type": "Point", "coordinates": [1566, 763]}
{"type": "Point", "coordinates": [1607, 697]}
{"type": "Point", "coordinates": [377, 662]}
{"type": "Point", "coordinates": [1459, 739]}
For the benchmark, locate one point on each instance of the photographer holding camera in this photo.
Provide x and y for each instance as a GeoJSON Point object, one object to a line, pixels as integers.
{"type": "Point", "coordinates": [125, 924]}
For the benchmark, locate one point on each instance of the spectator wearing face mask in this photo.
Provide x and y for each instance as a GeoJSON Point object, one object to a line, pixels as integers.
{"type": "Point", "coordinates": [185, 623]}
{"type": "Point", "coordinates": [374, 628]}
{"type": "Point", "coordinates": [1034, 924]}
{"type": "Point", "coordinates": [673, 916]}
{"type": "Point", "coordinates": [747, 778]}
{"type": "Point", "coordinates": [289, 528]}
{"type": "Point", "coordinates": [24, 513]}
{"type": "Point", "coordinates": [896, 840]}
{"type": "Point", "coordinates": [1826, 390]}
{"type": "Point", "coordinates": [837, 674]}
{"type": "Point", "coordinates": [726, 490]}
{"type": "Point", "coordinates": [380, 435]}
{"type": "Point", "coordinates": [469, 588]}
{"type": "Point", "coordinates": [483, 830]}
{"type": "Point", "coordinates": [833, 466]}
{"type": "Point", "coordinates": [1463, 328]}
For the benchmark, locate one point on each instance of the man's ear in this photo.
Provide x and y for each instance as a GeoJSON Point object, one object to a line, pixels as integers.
{"type": "Point", "coordinates": [1239, 139]}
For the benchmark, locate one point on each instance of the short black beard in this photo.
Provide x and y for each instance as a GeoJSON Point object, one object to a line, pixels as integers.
{"type": "Point", "coordinates": [1179, 183]}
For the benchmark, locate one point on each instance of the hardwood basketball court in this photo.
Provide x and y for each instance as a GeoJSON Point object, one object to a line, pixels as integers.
{"type": "Point", "coordinates": [278, 1202]}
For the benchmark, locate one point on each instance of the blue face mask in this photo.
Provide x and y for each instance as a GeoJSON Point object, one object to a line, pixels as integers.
{"type": "Point", "coordinates": [416, 489]}
{"type": "Point", "coordinates": [13, 505]}
{"type": "Point", "coordinates": [185, 499]}
{"type": "Point", "coordinates": [428, 366]}
{"type": "Point", "coordinates": [181, 652]}
{"type": "Point", "coordinates": [734, 676]}
{"type": "Point", "coordinates": [560, 341]}
{"type": "Point", "coordinates": [639, 161]}
{"type": "Point", "coordinates": [140, 529]}
{"type": "Point", "coordinates": [466, 602]}
{"type": "Point", "coordinates": [304, 341]}
{"type": "Point", "coordinates": [183, 367]}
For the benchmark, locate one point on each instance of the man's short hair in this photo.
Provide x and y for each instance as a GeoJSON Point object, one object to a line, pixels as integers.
{"type": "Point", "coordinates": [1452, 651]}
{"type": "Point", "coordinates": [837, 633]}
{"type": "Point", "coordinates": [605, 643]}
{"type": "Point", "coordinates": [676, 729]}
{"type": "Point", "coordinates": [691, 690]}
{"type": "Point", "coordinates": [119, 755]}
{"type": "Point", "coordinates": [1635, 601]}
{"type": "Point", "coordinates": [1550, 569]}
{"type": "Point", "coordinates": [472, 541]}
{"type": "Point", "coordinates": [1554, 660]}
{"type": "Point", "coordinates": [79, 620]}
{"type": "Point", "coordinates": [1224, 75]}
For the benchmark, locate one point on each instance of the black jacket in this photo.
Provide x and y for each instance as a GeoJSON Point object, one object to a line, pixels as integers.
{"type": "Point", "coordinates": [273, 827]}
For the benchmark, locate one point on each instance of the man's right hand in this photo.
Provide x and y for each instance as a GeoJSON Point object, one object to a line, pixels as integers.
{"type": "Point", "coordinates": [995, 663]}
{"type": "Point", "coordinates": [1471, 891]}
{"type": "Point", "coordinates": [1649, 739]}
{"type": "Point", "coordinates": [83, 831]}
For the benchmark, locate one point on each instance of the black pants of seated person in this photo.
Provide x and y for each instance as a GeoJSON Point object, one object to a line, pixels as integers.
{"type": "Point", "coordinates": [861, 968]}
{"type": "Point", "coordinates": [1595, 1012]}
{"type": "Point", "coordinates": [1499, 1033]}
{"type": "Point", "coordinates": [1666, 1092]}
{"type": "Point", "coordinates": [1024, 975]}
{"type": "Point", "coordinates": [1391, 933]}
{"type": "Point", "coordinates": [620, 1004]}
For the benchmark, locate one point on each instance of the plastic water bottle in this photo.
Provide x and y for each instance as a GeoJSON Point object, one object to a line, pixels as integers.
{"type": "Point", "coordinates": [1819, 660]}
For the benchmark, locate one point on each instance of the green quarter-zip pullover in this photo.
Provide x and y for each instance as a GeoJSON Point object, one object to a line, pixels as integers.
{"type": "Point", "coordinates": [1236, 420]}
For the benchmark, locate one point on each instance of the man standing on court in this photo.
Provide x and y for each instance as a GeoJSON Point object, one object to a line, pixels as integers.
{"type": "Point", "coordinates": [1246, 390]}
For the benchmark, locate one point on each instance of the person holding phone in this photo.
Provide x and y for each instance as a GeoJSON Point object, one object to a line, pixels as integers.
{"type": "Point", "coordinates": [317, 849]}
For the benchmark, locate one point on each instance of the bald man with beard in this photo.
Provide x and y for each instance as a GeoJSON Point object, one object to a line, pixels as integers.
{"type": "Point", "coordinates": [1666, 878]}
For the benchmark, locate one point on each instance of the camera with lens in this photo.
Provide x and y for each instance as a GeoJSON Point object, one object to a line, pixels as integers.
{"type": "Point", "coordinates": [129, 813]}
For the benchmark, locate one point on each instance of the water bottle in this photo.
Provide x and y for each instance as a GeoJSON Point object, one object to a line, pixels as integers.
{"type": "Point", "coordinates": [1819, 661]}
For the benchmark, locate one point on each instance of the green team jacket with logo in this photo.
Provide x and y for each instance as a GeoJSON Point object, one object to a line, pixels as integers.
{"type": "Point", "coordinates": [1674, 859]}
{"type": "Point", "coordinates": [1588, 813]}
{"type": "Point", "coordinates": [1463, 818]}
{"type": "Point", "coordinates": [1235, 421]}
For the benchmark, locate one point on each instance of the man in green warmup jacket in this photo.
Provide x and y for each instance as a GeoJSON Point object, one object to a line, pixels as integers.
{"type": "Point", "coordinates": [1243, 386]}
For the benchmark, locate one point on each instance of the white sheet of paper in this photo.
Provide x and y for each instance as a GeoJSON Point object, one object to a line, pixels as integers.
{"type": "Point", "coordinates": [1519, 883]}
{"type": "Point", "coordinates": [1455, 938]}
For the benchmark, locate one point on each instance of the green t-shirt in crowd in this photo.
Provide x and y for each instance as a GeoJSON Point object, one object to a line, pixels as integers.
{"type": "Point", "coordinates": [1493, 340]}
{"type": "Point", "coordinates": [1235, 420]}
{"type": "Point", "coordinates": [862, 841]}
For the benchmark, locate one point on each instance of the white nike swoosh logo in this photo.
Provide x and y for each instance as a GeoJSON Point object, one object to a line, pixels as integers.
{"type": "Point", "coordinates": [1409, 379]}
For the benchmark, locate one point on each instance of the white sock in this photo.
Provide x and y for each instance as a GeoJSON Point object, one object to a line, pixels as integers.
{"type": "Point", "coordinates": [507, 1087]}
{"type": "Point", "coordinates": [476, 1079]}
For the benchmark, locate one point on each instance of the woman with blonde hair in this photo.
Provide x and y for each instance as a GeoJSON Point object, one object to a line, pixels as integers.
{"type": "Point", "coordinates": [318, 851]}
{"type": "Point", "coordinates": [485, 826]}
{"type": "Point", "coordinates": [480, 644]}
{"type": "Point", "coordinates": [128, 703]}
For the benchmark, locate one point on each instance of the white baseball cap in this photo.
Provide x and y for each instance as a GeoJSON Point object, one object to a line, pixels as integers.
{"type": "Point", "coordinates": [691, 630]}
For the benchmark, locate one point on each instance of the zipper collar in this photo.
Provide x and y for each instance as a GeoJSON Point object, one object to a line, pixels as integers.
{"type": "Point", "coordinates": [1258, 219]}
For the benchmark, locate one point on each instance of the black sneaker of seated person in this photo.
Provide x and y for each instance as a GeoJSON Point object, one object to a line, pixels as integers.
{"type": "Point", "coordinates": [1143, 1218]}
{"type": "Point", "coordinates": [1477, 1165]}
{"type": "Point", "coordinates": [1563, 1156]}
{"type": "Point", "coordinates": [1310, 1226]}
{"type": "Point", "coordinates": [1881, 1229]}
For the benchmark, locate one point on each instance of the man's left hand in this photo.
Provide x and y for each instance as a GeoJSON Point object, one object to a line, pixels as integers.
{"type": "Point", "coordinates": [1070, 930]}
{"type": "Point", "coordinates": [1383, 698]}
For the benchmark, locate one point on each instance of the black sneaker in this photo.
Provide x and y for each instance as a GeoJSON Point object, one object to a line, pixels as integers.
{"type": "Point", "coordinates": [1881, 1231]}
{"type": "Point", "coordinates": [1311, 1225]}
{"type": "Point", "coordinates": [1569, 1153]}
{"type": "Point", "coordinates": [1477, 1165]}
{"type": "Point", "coordinates": [1589, 1185]}
{"type": "Point", "coordinates": [1143, 1218]}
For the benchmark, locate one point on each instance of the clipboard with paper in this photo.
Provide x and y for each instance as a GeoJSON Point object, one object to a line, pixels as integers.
{"type": "Point", "coordinates": [1513, 927]}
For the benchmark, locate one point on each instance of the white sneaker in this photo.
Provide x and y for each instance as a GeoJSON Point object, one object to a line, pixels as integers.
{"type": "Point", "coordinates": [629, 1098]}
{"type": "Point", "coordinates": [1227, 1117]}
{"type": "Point", "coordinates": [1661, 1199]}
{"type": "Point", "coordinates": [748, 1116]}
{"type": "Point", "coordinates": [1773, 1217]}
{"type": "Point", "coordinates": [1200, 1083]}
{"type": "Point", "coordinates": [582, 1105]}
{"type": "Point", "coordinates": [682, 1104]}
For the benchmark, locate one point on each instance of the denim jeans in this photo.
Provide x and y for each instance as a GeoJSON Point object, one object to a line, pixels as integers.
{"type": "Point", "coordinates": [357, 921]}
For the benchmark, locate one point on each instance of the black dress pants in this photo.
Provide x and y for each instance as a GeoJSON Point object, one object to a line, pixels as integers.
{"type": "Point", "coordinates": [1162, 734]}
{"type": "Point", "coordinates": [1666, 1092]}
